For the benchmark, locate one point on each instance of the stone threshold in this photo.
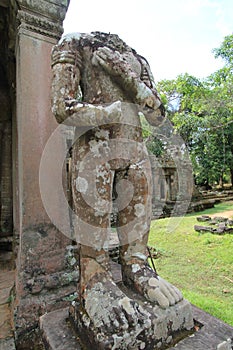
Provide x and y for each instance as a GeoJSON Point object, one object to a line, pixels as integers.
{"type": "Point", "coordinates": [212, 333]}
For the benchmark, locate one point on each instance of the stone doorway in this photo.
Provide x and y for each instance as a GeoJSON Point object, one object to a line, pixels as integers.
{"type": "Point", "coordinates": [6, 110]}
{"type": "Point", "coordinates": [6, 222]}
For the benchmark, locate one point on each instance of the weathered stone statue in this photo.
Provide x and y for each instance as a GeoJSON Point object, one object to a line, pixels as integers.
{"type": "Point", "coordinates": [99, 85]}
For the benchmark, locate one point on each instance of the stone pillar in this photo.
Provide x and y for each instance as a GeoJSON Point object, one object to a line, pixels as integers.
{"type": "Point", "coordinates": [44, 277]}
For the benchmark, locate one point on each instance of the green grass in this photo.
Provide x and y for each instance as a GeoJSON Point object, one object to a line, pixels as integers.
{"type": "Point", "coordinates": [201, 265]}
{"type": "Point", "coordinates": [217, 209]}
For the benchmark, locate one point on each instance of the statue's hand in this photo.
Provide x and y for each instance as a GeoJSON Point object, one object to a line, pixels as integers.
{"type": "Point", "coordinates": [154, 117]}
{"type": "Point", "coordinates": [152, 107]}
{"type": "Point", "coordinates": [70, 103]}
{"type": "Point", "coordinates": [74, 106]}
{"type": "Point", "coordinates": [85, 114]}
{"type": "Point", "coordinates": [112, 62]}
{"type": "Point", "coordinates": [146, 97]}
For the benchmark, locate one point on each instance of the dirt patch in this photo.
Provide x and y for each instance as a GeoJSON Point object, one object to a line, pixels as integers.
{"type": "Point", "coordinates": [225, 214]}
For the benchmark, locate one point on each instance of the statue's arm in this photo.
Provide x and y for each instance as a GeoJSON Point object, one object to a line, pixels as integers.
{"type": "Point", "coordinates": [65, 88]}
{"type": "Point", "coordinates": [66, 76]}
{"type": "Point", "coordinates": [155, 116]}
{"type": "Point", "coordinates": [65, 81]}
{"type": "Point", "coordinates": [115, 65]}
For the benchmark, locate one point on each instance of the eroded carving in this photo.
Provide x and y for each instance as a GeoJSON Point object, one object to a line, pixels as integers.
{"type": "Point", "coordinates": [39, 25]}
{"type": "Point", "coordinates": [43, 17]}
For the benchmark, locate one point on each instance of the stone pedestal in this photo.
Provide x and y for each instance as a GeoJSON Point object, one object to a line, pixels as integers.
{"type": "Point", "coordinates": [164, 327]}
{"type": "Point", "coordinates": [210, 333]}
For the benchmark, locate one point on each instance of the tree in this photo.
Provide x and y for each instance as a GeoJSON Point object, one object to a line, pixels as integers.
{"type": "Point", "coordinates": [202, 114]}
{"type": "Point", "coordinates": [225, 51]}
{"type": "Point", "coordinates": [221, 83]}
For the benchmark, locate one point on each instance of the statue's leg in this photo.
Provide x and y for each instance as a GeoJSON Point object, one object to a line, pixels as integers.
{"type": "Point", "coordinates": [106, 306]}
{"type": "Point", "coordinates": [133, 229]}
{"type": "Point", "coordinates": [91, 194]}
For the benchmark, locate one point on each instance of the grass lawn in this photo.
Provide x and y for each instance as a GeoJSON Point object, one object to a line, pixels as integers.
{"type": "Point", "coordinates": [201, 265]}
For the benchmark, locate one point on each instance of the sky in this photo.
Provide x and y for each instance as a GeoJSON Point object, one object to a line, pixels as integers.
{"type": "Point", "coordinates": [175, 36]}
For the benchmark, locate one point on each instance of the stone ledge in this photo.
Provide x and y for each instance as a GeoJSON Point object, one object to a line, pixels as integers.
{"type": "Point", "coordinates": [213, 333]}
{"type": "Point", "coordinates": [59, 336]}
{"type": "Point", "coordinates": [56, 333]}
{"type": "Point", "coordinates": [55, 9]}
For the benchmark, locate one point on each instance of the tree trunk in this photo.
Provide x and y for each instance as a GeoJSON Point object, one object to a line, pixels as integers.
{"type": "Point", "coordinates": [220, 182]}
{"type": "Point", "coordinates": [231, 170]}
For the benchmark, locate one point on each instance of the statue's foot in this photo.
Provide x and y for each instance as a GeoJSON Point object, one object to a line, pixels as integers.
{"type": "Point", "coordinates": [155, 289]}
{"type": "Point", "coordinates": [110, 310]}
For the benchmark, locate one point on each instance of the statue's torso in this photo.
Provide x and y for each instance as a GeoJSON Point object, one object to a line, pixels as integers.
{"type": "Point", "coordinates": [100, 88]}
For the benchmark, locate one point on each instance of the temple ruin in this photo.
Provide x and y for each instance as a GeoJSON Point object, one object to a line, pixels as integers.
{"type": "Point", "coordinates": [39, 265]}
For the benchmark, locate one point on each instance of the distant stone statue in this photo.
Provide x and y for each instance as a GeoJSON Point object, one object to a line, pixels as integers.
{"type": "Point", "coordinates": [99, 85]}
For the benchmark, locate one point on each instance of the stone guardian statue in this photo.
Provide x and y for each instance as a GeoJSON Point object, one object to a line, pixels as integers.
{"type": "Point", "coordinates": [99, 86]}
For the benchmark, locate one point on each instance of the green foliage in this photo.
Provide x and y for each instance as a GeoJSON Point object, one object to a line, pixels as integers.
{"type": "Point", "coordinates": [225, 51]}
{"type": "Point", "coordinates": [202, 113]}
{"type": "Point", "coordinates": [153, 143]}
{"type": "Point", "coordinates": [199, 265]}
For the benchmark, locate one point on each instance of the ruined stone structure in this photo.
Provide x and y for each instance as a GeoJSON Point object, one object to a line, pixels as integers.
{"type": "Point", "coordinates": [173, 186]}
{"type": "Point", "coordinates": [45, 260]}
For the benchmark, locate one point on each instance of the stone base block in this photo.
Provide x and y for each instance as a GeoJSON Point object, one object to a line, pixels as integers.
{"type": "Point", "coordinates": [210, 333]}
{"type": "Point", "coordinates": [7, 344]}
{"type": "Point", "coordinates": [165, 327]}
{"type": "Point", "coordinates": [56, 332]}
